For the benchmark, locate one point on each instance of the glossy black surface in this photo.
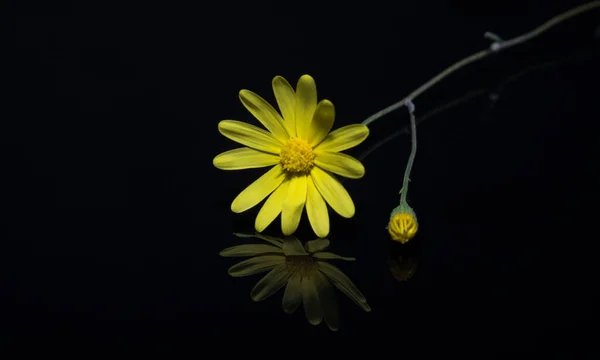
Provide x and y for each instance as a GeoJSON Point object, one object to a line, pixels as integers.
{"type": "Point", "coordinates": [115, 213]}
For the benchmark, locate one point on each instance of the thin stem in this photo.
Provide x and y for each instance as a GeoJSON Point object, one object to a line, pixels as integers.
{"type": "Point", "coordinates": [413, 151]}
{"type": "Point", "coordinates": [495, 47]}
{"type": "Point", "coordinates": [472, 94]}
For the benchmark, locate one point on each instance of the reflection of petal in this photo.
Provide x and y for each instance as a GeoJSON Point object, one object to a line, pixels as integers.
{"type": "Point", "coordinates": [328, 302]}
{"type": "Point", "coordinates": [342, 282]}
{"type": "Point", "coordinates": [250, 250]}
{"type": "Point", "coordinates": [292, 246]}
{"type": "Point", "coordinates": [272, 282]}
{"type": "Point", "coordinates": [256, 265]}
{"type": "Point", "coordinates": [331, 256]}
{"type": "Point", "coordinates": [312, 304]}
{"type": "Point", "coordinates": [316, 245]}
{"type": "Point", "coordinates": [273, 240]}
{"type": "Point", "coordinates": [292, 297]}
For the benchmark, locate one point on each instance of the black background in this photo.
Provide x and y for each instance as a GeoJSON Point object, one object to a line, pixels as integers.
{"type": "Point", "coordinates": [114, 214]}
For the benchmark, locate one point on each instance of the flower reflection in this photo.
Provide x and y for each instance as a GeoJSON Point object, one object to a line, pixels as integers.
{"type": "Point", "coordinates": [303, 270]}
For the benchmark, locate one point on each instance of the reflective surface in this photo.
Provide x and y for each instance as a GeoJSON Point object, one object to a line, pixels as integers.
{"type": "Point", "coordinates": [116, 215]}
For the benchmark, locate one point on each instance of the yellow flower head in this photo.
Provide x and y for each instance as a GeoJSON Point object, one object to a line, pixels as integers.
{"type": "Point", "coordinates": [303, 270]}
{"type": "Point", "coordinates": [403, 226]}
{"type": "Point", "coordinates": [304, 154]}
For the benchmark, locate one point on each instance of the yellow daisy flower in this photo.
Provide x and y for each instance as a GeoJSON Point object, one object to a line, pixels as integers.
{"type": "Point", "coordinates": [303, 271]}
{"type": "Point", "coordinates": [304, 154]}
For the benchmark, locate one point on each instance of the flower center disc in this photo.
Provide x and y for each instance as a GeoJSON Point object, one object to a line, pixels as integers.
{"type": "Point", "coordinates": [297, 156]}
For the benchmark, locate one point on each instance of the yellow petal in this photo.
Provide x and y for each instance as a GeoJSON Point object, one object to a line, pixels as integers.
{"type": "Point", "coordinates": [293, 204]}
{"type": "Point", "coordinates": [271, 239]}
{"type": "Point", "coordinates": [264, 112]}
{"type": "Point", "coordinates": [306, 103]}
{"type": "Point", "coordinates": [344, 138]}
{"type": "Point", "coordinates": [316, 210]}
{"type": "Point", "coordinates": [321, 123]}
{"type": "Point", "coordinates": [286, 100]}
{"type": "Point", "coordinates": [258, 190]}
{"type": "Point", "coordinates": [250, 136]}
{"type": "Point", "coordinates": [272, 207]}
{"type": "Point", "coordinates": [341, 164]}
{"type": "Point", "coordinates": [333, 192]}
{"type": "Point", "coordinates": [244, 158]}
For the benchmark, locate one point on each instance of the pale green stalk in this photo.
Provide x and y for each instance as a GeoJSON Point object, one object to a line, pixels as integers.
{"type": "Point", "coordinates": [497, 45]}
{"type": "Point", "coordinates": [413, 151]}
{"type": "Point", "coordinates": [404, 207]}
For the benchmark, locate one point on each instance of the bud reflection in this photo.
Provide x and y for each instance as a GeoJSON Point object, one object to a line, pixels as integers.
{"type": "Point", "coordinates": [403, 261]}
